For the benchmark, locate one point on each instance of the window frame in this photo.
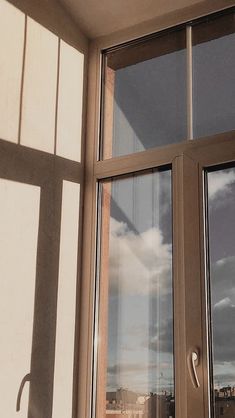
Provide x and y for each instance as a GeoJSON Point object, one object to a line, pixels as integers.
{"type": "Point", "coordinates": [189, 155]}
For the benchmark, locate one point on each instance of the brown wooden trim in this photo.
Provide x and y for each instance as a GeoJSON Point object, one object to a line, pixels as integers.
{"type": "Point", "coordinates": [147, 49]}
{"type": "Point", "coordinates": [86, 312]}
{"type": "Point", "coordinates": [193, 317]}
{"type": "Point", "coordinates": [204, 291]}
{"type": "Point", "coordinates": [77, 315]}
{"type": "Point", "coordinates": [108, 101]}
{"type": "Point", "coordinates": [103, 302]}
{"type": "Point", "coordinates": [187, 273]}
{"type": "Point", "coordinates": [102, 314]}
{"type": "Point", "coordinates": [218, 150]}
{"type": "Point", "coordinates": [179, 290]}
{"type": "Point", "coordinates": [214, 28]}
{"type": "Point", "coordinates": [198, 149]}
{"type": "Point", "coordinates": [138, 161]}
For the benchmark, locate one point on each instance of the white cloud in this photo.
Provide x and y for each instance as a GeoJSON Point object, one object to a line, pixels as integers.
{"type": "Point", "coordinates": [219, 183]}
{"type": "Point", "coordinates": [220, 262]}
{"type": "Point", "coordinates": [139, 264]}
{"type": "Point", "coordinates": [224, 303]}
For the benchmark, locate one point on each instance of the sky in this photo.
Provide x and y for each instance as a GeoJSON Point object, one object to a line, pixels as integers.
{"type": "Point", "coordinates": [140, 284]}
{"type": "Point", "coordinates": [150, 98]}
{"type": "Point", "coordinates": [221, 204]}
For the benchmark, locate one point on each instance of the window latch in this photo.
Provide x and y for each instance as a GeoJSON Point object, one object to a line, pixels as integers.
{"type": "Point", "coordinates": [193, 362]}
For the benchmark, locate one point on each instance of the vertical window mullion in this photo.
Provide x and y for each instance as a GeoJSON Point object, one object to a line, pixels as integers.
{"type": "Point", "coordinates": [189, 82]}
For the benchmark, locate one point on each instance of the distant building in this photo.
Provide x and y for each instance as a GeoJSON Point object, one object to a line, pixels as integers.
{"type": "Point", "coordinates": [123, 401]}
{"type": "Point", "coordinates": [160, 406]}
{"type": "Point", "coordinates": [225, 402]}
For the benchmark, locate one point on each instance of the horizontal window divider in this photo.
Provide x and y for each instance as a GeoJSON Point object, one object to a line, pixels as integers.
{"type": "Point", "coordinates": [214, 150]}
{"type": "Point", "coordinates": [136, 162]}
{"type": "Point", "coordinates": [158, 157]}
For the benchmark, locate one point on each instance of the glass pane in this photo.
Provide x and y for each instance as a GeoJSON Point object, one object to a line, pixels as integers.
{"type": "Point", "coordinates": [39, 90]}
{"type": "Point", "coordinates": [135, 341]}
{"type": "Point", "coordinates": [66, 303]}
{"type": "Point", "coordinates": [145, 96]}
{"type": "Point", "coordinates": [69, 118]}
{"type": "Point", "coordinates": [214, 76]}
{"type": "Point", "coordinates": [19, 218]}
{"type": "Point", "coordinates": [12, 23]}
{"type": "Point", "coordinates": [221, 206]}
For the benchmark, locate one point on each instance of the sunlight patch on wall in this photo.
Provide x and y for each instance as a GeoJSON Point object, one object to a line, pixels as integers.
{"type": "Point", "coordinates": [19, 218]}
{"type": "Point", "coordinates": [69, 123]}
{"type": "Point", "coordinates": [12, 24]}
{"type": "Point", "coordinates": [39, 93]}
{"type": "Point", "coordinates": [66, 305]}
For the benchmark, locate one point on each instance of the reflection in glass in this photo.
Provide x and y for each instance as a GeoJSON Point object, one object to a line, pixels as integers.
{"type": "Point", "coordinates": [214, 76]}
{"type": "Point", "coordinates": [221, 220]}
{"type": "Point", "coordinates": [145, 95]}
{"type": "Point", "coordinates": [19, 219]}
{"type": "Point", "coordinates": [135, 359]}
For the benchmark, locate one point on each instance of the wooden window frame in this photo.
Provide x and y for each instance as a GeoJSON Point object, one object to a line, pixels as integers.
{"type": "Point", "coordinates": [190, 157]}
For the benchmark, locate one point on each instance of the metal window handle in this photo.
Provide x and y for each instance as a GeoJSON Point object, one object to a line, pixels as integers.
{"type": "Point", "coordinates": [25, 379]}
{"type": "Point", "coordinates": [193, 363]}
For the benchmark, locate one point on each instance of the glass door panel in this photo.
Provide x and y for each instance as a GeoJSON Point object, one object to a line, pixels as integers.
{"type": "Point", "coordinates": [19, 219]}
{"type": "Point", "coordinates": [221, 260]}
{"type": "Point", "coordinates": [135, 331]}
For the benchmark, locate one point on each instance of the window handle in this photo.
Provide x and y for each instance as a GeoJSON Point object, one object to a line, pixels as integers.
{"type": "Point", "coordinates": [25, 379]}
{"type": "Point", "coordinates": [193, 362]}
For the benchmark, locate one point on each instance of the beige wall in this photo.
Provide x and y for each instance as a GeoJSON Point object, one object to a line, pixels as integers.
{"type": "Point", "coordinates": [43, 61]}
{"type": "Point", "coordinates": [55, 18]}
{"type": "Point", "coordinates": [43, 78]}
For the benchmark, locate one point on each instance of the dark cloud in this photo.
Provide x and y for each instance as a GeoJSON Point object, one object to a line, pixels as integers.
{"type": "Point", "coordinates": [224, 334]}
{"type": "Point", "coordinates": [223, 279]}
{"type": "Point", "coordinates": [161, 340]}
{"type": "Point", "coordinates": [228, 377]}
{"type": "Point", "coordinates": [223, 309]}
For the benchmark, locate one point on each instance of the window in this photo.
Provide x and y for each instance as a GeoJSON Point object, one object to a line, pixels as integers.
{"type": "Point", "coordinates": [169, 88]}
{"type": "Point", "coordinates": [155, 331]}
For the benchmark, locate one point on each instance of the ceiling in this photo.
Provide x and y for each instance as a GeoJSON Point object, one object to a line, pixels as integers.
{"type": "Point", "coordinates": [101, 17]}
